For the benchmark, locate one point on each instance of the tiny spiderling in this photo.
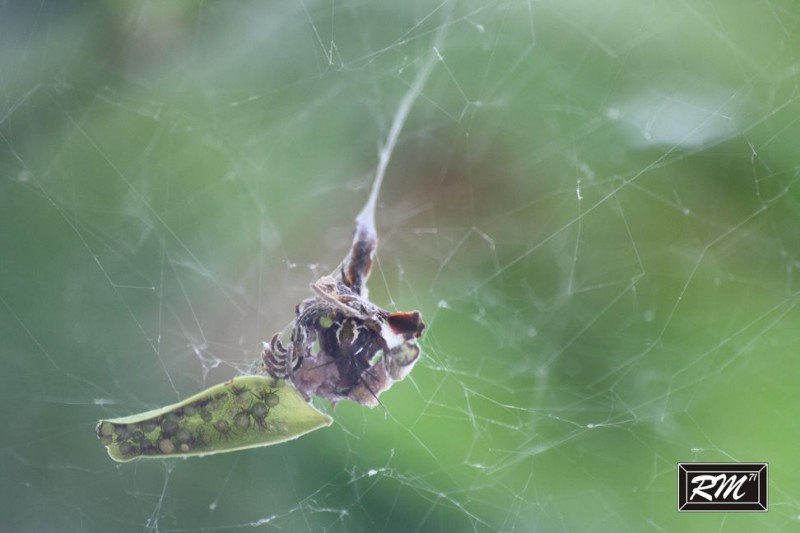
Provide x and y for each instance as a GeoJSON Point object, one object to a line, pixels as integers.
{"type": "Point", "coordinates": [223, 427]}
{"type": "Point", "coordinates": [260, 411]}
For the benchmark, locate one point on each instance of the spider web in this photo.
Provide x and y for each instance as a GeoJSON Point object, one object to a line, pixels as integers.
{"type": "Point", "coordinates": [593, 205]}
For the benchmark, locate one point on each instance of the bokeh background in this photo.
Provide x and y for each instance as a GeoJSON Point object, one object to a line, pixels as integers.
{"type": "Point", "coordinates": [593, 204]}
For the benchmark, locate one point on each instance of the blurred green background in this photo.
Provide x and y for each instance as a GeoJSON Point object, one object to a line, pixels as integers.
{"type": "Point", "coordinates": [593, 204]}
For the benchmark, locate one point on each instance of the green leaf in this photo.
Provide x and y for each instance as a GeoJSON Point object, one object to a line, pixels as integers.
{"type": "Point", "coordinates": [244, 412]}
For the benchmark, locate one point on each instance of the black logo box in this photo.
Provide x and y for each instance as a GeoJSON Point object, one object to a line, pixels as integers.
{"type": "Point", "coordinates": [752, 490]}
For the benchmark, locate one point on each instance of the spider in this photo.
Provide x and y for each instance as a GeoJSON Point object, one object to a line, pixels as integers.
{"type": "Point", "coordinates": [260, 412]}
{"type": "Point", "coordinates": [223, 428]}
{"type": "Point", "coordinates": [342, 346]}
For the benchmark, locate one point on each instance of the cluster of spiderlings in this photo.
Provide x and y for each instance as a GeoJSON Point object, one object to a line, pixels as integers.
{"type": "Point", "coordinates": [197, 427]}
{"type": "Point", "coordinates": [165, 435]}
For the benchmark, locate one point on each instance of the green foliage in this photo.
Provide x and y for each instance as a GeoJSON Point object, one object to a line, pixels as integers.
{"type": "Point", "coordinates": [244, 412]}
